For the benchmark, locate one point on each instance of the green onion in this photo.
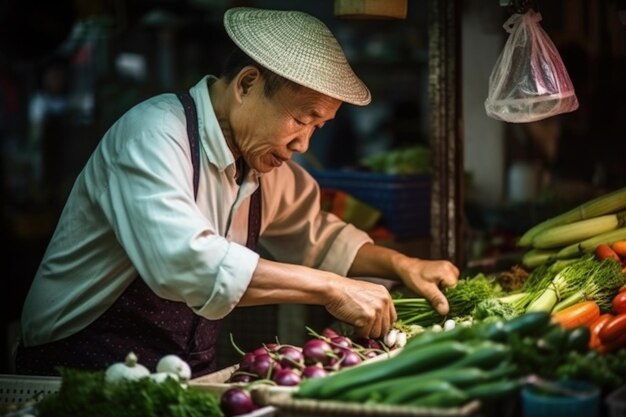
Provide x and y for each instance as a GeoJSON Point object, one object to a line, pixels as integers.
{"type": "Point", "coordinates": [567, 281]}
{"type": "Point", "coordinates": [601, 285]}
{"type": "Point", "coordinates": [462, 298]}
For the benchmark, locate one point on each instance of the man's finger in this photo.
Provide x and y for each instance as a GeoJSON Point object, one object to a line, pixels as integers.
{"type": "Point", "coordinates": [436, 298]}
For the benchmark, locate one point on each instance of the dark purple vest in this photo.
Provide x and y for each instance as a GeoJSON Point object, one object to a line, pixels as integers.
{"type": "Point", "coordinates": [139, 320]}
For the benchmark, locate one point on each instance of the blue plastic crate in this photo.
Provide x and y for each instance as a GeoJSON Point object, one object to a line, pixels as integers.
{"type": "Point", "coordinates": [404, 200]}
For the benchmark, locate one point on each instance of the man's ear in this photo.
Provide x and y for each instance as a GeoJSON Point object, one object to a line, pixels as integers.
{"type": "Point", "coordinates": [246, 80]}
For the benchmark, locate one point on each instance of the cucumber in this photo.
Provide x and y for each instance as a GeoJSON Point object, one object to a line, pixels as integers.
{"type": "Point", "coordinates": [492, 390]}
{"type": "Point", "coordinates": [381, 389]}
{"type": "Point", "coordinates": [458, 377]}
{"type": "Point", "coordinates": [554, 339]}
{"type": "Point", "coordinates": [524, 325]}
{"type": "Point", "coordinates": [407, 393]}
{"type": "Point", "coordinates": [459, 334]}
{"type": "Point", "coordinates": [451, 398]}
{"type": "Point", "coordinates": [578, 339]}
{"type": "Point", "coordinates": [528, 324]}
{"type": "Point", "coordinates": [405, 363]}
{"type": "Point", "coordinates": [485, 355]}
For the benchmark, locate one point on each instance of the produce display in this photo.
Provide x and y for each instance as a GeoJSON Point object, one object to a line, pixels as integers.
{"type": "Point", "coordinates": [558, 315]}
{"type": "Point", "coordinates": [289, 365]}
{"type": "Point", "coordinates": [129, 389]}
{"type": "Point", "coordinates": [601, 221]}
{"type": "Point", "coordinates": [483, 362]}
{"type": "Point", "coordinates": [322, 354]}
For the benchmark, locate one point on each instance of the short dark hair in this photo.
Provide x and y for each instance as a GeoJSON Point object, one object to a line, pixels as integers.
{"type": "Point", "coordinates": [238, 59]}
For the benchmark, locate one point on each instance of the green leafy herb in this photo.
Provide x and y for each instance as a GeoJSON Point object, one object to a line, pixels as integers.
{"type": "Point", "coordinates": [462, 299]}
{"type": "Point", "coordinates": [86, 393]}
{"type": "Point", "coordinates": [606, 371]}
{"type": "Point", "coordinates": [493, 308]}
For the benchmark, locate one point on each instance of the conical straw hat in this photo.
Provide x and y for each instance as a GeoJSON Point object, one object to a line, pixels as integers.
{"type": "Point", "coordinates": [298, 47]}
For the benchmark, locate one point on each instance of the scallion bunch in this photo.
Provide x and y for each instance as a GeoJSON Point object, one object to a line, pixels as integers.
{"type": "Point", "coordinates": [462, 299]}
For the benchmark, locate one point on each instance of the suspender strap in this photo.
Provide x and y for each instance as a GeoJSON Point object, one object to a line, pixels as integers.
{"type": "Point", "coordinates": [254, 219]}
{"type": "Point", "coordinates": [193, 136]}
{"type": "Point", "coordinates": [254, 215]}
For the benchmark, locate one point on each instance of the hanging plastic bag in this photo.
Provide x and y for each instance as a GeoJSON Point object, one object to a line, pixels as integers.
{"type": "Point", "coordinates": [529, 81]}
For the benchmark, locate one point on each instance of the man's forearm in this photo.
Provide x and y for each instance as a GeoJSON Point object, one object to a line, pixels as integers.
{"type": "Point", "coordinates": [275, 282]}
{"type": "Point", "coordinates": [377, 261]}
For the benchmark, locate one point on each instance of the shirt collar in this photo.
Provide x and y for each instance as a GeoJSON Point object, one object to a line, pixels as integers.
{"type": "Point", "coordinates": [211, 135]}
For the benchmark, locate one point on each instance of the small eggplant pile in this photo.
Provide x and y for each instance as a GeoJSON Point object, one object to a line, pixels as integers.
{"type": "Point", "coordinates": [289, 365]}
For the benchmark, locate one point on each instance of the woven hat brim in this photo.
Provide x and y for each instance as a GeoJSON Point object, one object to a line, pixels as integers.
{"type": "Point", "coordinates": [298, 47]}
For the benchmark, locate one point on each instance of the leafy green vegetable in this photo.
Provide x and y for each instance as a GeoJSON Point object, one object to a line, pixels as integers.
{"type": "Point", "coordinates": [85, 393]}
{"type": "Point", "coordinates": [566, 282]}
{"type": "Point", "coordinates": [493, 308]}
{"type": "Point", "coordinates": [413, 160]}
{"type": "Point", "coordinates": [601, 284]}
{"type": "Point", "coordinates": [608, 371]}
{"type": "Point", "coordinates": [462, 298]}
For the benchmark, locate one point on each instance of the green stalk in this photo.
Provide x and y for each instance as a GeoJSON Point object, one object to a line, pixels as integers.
{"type": "Point", "coordinates": [538, 280]}
{"type": "Point", "coordinates": [556, 266]}
{"type": "Point", "coordinates": [567, 281]}
{"type": "Point", "coordinates": [545, 302]}
{"type": "Point", "coordinates": [462, 298]}
{"type": "Point", "coordinates": [605, 204]}
{"type": "Point", "coordinates": [601, 285]}
{"type": "Point", "coordinates": [513, 298]}
{"type": "Point", "coordinates": [537, 257]}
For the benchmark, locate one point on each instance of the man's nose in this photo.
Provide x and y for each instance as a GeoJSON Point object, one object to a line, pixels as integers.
{"type": "Point", "coordinates": [301, 142]}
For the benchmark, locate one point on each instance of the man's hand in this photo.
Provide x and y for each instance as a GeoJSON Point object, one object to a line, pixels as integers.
{"type": "Point", "coordinates": [425, 277]}
{"type": "Point", "coordinates": [366, 306]}
{"type": "Point", "coordinates": [428, 278]}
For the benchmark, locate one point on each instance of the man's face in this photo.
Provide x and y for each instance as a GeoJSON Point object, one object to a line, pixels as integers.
{"type": "Point", "coordinates": [268, 131]}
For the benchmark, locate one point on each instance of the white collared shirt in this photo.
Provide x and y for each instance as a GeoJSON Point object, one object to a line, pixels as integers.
{"type": "Point", "coordinates": [132, 211]}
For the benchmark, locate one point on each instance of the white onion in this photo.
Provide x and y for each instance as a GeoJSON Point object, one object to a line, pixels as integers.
{"type": "Point", "coordinates": [128, 370]}
{"type": "Point", "coordinates": [160, 377]}
{"type": "Point", "coordinates": [448, 325]}
{"type": "Point", "coordinates": [175, 365]}
{"type": "Point", "coordinates": [401, 340]}
{"type": "Point", "coordinates": [391, 337]}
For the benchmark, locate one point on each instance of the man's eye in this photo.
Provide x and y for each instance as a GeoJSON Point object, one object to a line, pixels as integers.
{"type": "Point", "coordinates": [299, 122]}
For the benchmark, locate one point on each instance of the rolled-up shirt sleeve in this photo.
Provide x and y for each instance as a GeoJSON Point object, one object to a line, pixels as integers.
{"type": "Point", "coordinates": [297, 230]}
{"type": "Point", "coordinates": [150, 205]}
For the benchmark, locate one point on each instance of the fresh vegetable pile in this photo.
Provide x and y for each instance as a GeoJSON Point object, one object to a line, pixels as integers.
{"type": "Point", "coordinates": [462, 299]}
{"type": "Point", "coordinates": [484, 362]}
{"type": "Point", "coordinates": [289, 365]}
{"type": "Point", "coordinates": [86, 393]}
{"type": "Point", "coordinates": [601, 221]}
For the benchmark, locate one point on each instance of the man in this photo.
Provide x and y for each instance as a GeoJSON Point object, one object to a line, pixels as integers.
{"type": "Point", "coordinates": [156, 242]}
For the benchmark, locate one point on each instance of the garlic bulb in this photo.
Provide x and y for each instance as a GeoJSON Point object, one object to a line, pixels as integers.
{"type": "Point", "coordinates": [391, 337]}
{"type": "Point", "coordinates": [175, 365]}
{"type": "Point", "coordinates": [127, 370]}
{"type": "Point", "coordinates": [400, 340]}
{"type": "Point", "coordinates": [160, 377]}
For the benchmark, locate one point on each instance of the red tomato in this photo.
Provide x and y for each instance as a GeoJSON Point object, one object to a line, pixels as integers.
{"type": "Point", "coordinates": [619, 303]}
{"type": "Point", "coordinates": [614, 329]}
{"type": "Point", "coordinates": [617, 344]}
{"type": "Point", "coordinates": [596, 326]}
